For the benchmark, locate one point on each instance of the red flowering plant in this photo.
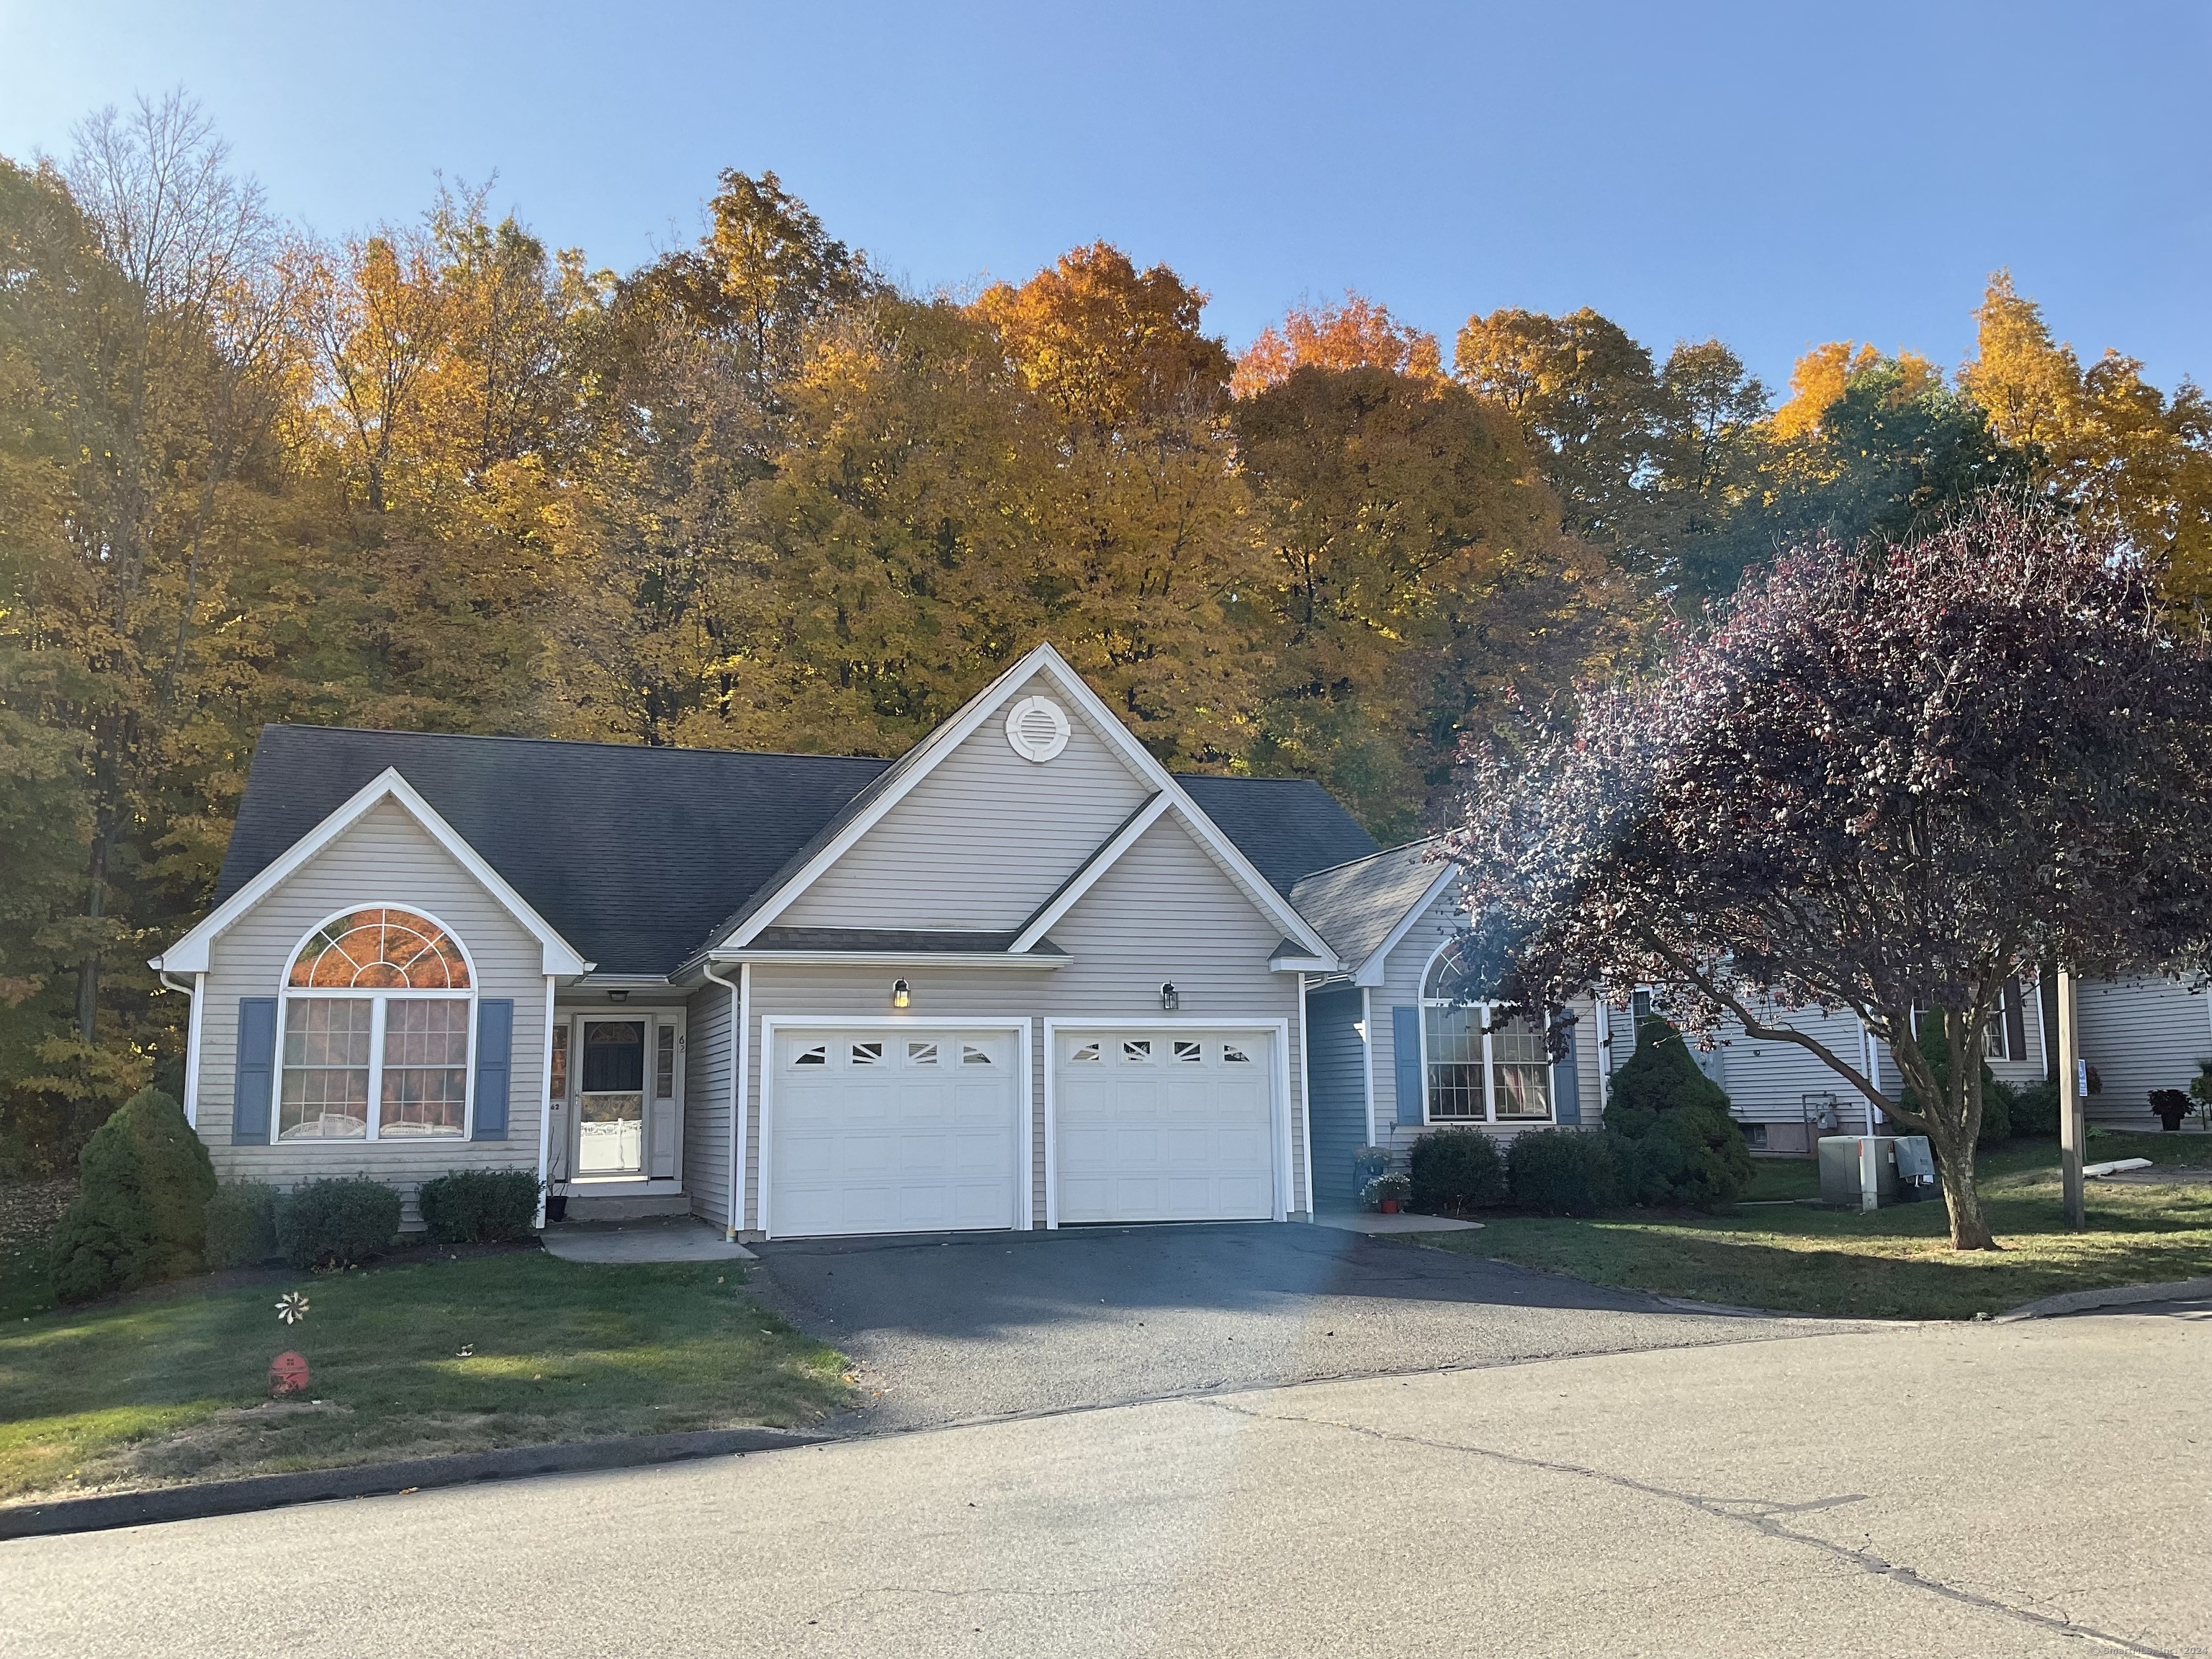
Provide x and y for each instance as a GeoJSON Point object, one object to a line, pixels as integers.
{"type": "Point", "coordinates": [1884, 779]}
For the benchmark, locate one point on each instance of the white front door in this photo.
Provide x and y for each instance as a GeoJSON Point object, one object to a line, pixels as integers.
{"type": "Point", "coordinates": [892, 1129]}
{"type": "Point", "coordinates": [611, 1098]}
{"type": "Point", "coordinates": [1164, 1124]}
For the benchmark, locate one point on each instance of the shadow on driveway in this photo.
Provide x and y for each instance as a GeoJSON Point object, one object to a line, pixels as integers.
{"type": "Point", "coordinates": [953, 1327]}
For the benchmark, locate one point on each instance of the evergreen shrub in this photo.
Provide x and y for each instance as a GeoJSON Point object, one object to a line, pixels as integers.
{"type": "Point", "coordinates": [1561, 1172]}
{"type": "Point", "coordinates": [479, 1206]}
{"type": "Point", "coordinates": [241, 1224]}
{"type": "Point", "coordinates": [337, 1223]}
{"type": "Point", "coordinates": [1455, 1169]}
{"type": "Point", "coordinates": [141, 1212]}
{"type": "Point", "coordinates": [1673, 1140]}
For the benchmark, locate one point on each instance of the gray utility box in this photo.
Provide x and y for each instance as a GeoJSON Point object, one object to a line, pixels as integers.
{"type": "Point", "coordinates": [1840, 1170]}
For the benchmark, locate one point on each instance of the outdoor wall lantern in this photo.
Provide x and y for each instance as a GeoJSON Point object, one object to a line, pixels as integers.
{"type": "Point", "coordinates": [1171, 999]}
{"type": "Point", "coordinates": [617, 996]}
{"type": "Point", "coordinates": [899, 997]}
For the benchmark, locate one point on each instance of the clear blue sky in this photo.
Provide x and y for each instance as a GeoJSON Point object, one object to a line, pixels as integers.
{"type": "Point", "coordinates": [1775, 174]}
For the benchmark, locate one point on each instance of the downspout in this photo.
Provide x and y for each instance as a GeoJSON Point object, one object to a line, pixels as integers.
{"type": "Point", "coordinates": [740, 1057]}
{"type": "Point", "coordinates": [1604, 1056]}
{"type": "Point", "coordinates": [1305, 1096]}
{"type": "Point", "coordinates": [192, 1042]}
{"type": "Point", "coordinates": [545, 1102]}
{"type": "Point", "coordinates": [1367, 1053]}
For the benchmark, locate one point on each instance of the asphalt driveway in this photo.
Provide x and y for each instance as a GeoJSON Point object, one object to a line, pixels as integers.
{"type": "Point", "coordinates": [961, 1328]}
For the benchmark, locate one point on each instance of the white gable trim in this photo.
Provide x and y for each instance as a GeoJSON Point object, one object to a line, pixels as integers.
{"type": "Point", "coordinates": [1371, 972]}
{"type": "Point", "coordinates": [189, 955]}
{"type": "Point", "coordinates": [942, 742]}
{"type": "Point", "coordinates": [1101, 861]}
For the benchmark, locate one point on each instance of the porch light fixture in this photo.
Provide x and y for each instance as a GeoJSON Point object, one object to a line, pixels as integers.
{"type": "Point", "coordinates": [899, 997]}
{"type": "Point", "coordinates": [617, 996]}
{"type": "Point", "coordinates": [1171, 999]}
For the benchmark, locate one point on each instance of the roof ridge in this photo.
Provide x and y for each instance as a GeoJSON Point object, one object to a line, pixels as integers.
{"type": "Point", "coordinates": [1368, 858]}
{"type": "Point", "coordinates": [574, 742]}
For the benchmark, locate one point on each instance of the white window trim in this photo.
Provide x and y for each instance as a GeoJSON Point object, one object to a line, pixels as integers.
{"type": "Point", "coordinates": [1489, 1117]}
{"type": "Point", "coordinates": [1025, 1095]}
{"type": "Point", "coordinates": [288, 993]}
{"type": "Point", "coordinates": [1278, 1032]}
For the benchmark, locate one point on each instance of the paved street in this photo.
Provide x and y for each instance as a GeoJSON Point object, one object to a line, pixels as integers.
{"type": "Point", "coordinates": [958, 1329]}
{"type": "Point", "coordinates": [1987, 1491]}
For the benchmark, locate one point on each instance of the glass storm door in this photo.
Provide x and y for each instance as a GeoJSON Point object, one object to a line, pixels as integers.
{"type": "Point", "coordinates": [611, 1103]}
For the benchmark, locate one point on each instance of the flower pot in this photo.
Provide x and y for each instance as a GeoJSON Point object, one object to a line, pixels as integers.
{"type": "Point", "coordinates": [556, 1209]}
{"type": "Point", "coordinates": [1389, 1206]}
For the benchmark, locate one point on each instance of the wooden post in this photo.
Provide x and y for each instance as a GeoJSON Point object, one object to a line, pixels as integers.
{"type": "Point", "coordinates": [2073, 1126]}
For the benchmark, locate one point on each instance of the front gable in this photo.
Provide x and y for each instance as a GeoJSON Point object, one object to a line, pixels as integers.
{"type": "Point", "coordinates": [986, 838]}
{"type": "Point", "coordinates": [996, 824]}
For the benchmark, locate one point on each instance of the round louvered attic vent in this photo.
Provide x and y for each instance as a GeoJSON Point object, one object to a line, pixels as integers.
{"type": "Point", "coordinates": [1037, 728]}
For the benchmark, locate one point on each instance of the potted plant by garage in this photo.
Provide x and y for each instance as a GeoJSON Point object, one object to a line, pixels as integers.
{"type": "Point", "coordinates": [2169, 1106]}
{"type": "Point", "coordinates": [1389, 1192]}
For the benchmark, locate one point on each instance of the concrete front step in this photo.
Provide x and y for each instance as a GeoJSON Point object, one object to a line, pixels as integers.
{"type": "Point", "coordinates": [627, 1207]}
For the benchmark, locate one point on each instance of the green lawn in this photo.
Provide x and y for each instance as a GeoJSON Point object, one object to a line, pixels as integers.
{"type": "Point", "coordinates": [1895, 1263]}
{"type": "Point", "coordinates": [412, 1358]}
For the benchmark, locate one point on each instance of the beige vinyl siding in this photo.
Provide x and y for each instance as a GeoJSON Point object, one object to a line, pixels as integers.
{"type": "Point", "coordinates": [384, 858]}
{"type": "Point", "coordinates": [2141, 1034]}
{"type": "Point", "coordinates": [1165, 911]}
{"type": "Point", "coordinates": [1403, 971]}
{"type": "Point", "coordinates": [984, 839]}
{"type": "Point", "coordinates": [1767, 1081]}
{"type": "Point", "coordinates": [707, 1026]}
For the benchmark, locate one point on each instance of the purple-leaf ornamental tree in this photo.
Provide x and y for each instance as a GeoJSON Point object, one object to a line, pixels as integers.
{"type": "Point", "coordinates": [1886, 780]}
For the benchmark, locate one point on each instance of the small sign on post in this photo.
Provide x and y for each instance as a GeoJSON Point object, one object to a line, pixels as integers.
{"type": "Point", "coordinates": [288, 1374]}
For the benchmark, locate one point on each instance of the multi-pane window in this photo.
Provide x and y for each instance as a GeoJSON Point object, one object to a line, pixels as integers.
{"type": "Point", "coordinates": [377, 1009]}
{"type": "Point", "coordinates": [1481, 1067]}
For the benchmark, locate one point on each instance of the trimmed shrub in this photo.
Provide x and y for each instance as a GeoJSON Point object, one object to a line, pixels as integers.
{"type": "Point", "coordinates": [1674, 1142]}
{"type": "Point", "coordinates": [1561, 1172]}
{"type": "Point", "coordinates": [241, 1224]}
{"type": "Point", "coordinates": [140, 1213]}
{"type": "Point", "coordinates": [479, 1206]}
{"type": "Point", "coordinates": [1455, 1169]}
{"type": "Point", "coordinates": [335, 1223]}
{"type": "Point", "coordinates": [2034, 1109]}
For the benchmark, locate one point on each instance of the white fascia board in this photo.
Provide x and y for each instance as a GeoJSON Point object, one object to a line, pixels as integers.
{"type": "Point", "coordinates": [932, 749]}
{"type": "Point", "coordinates": [189, 955]}
{"type": "Point", "coordinates": [1303, 965]}
{"type": "Point", "coordinates": [898, 958]}
{"type": "Point", "coordinates": [1371, 972]}
{"type": "Point", "coordinates": [1101, 861]}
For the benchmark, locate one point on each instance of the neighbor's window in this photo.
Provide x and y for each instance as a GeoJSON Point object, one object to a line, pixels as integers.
{"type": "Point", "coordinates": [378, 1008]}
{"type": "Point", "coordinates": [1481, 1067]}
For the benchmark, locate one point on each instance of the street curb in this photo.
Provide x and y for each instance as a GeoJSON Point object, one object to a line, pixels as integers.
{"type": "Point", "coordinates": [2120, 1296]}
{"type": "Point", "coordinates": [269, 1492]}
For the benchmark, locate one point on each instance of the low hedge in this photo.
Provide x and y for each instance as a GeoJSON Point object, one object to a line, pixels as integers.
{"type": "Point", "coordinates": [241, 1224]}
{"type": "Point", "coordinates": [1454, 1170]}
{"type": "Point", "coordinates": [1562, 1172]}
{"type": "Point", "coordinates": [480, 1207]}
{"type": "Point", "coordinates": [337, 1223]}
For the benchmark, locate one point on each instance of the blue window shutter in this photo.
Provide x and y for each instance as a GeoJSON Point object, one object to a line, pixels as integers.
{"type": "Point", "coordinates": [1405, 1054]}
{"type": "Point", "coordinates": [1566, 1080]}
{"type": "Point", "coordinates": [257, 1069]}
{"type": "Point", "coordinates": [495, 1066]}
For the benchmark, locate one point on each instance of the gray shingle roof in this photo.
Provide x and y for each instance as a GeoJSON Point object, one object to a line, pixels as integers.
{"type": "Point", "coordinates": [635, 855]}
{"type": "Point", "coordinates": [1354, 905]}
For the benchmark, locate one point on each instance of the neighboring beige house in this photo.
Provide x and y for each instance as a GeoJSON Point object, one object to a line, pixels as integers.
{"type": "Point", "coordinates": [1020, 978]}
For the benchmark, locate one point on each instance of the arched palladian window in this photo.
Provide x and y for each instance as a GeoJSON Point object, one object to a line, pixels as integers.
{"type": "Point", "coordinates": [378, 1007]}
{"type": "Point", "coordinates": [1478, 1069]}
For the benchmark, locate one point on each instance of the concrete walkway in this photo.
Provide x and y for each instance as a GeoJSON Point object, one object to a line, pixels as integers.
{"type": "Point", "coordinates": [658, 1238]}
{"type": "Point", "coordinates": [1375, 1224]}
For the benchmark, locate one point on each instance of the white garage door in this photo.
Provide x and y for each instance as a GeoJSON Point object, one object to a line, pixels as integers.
{"type": "Point", "coordinates": [1164, 1125]}
{"type": "Point", "coordinates": [893, 1130]}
